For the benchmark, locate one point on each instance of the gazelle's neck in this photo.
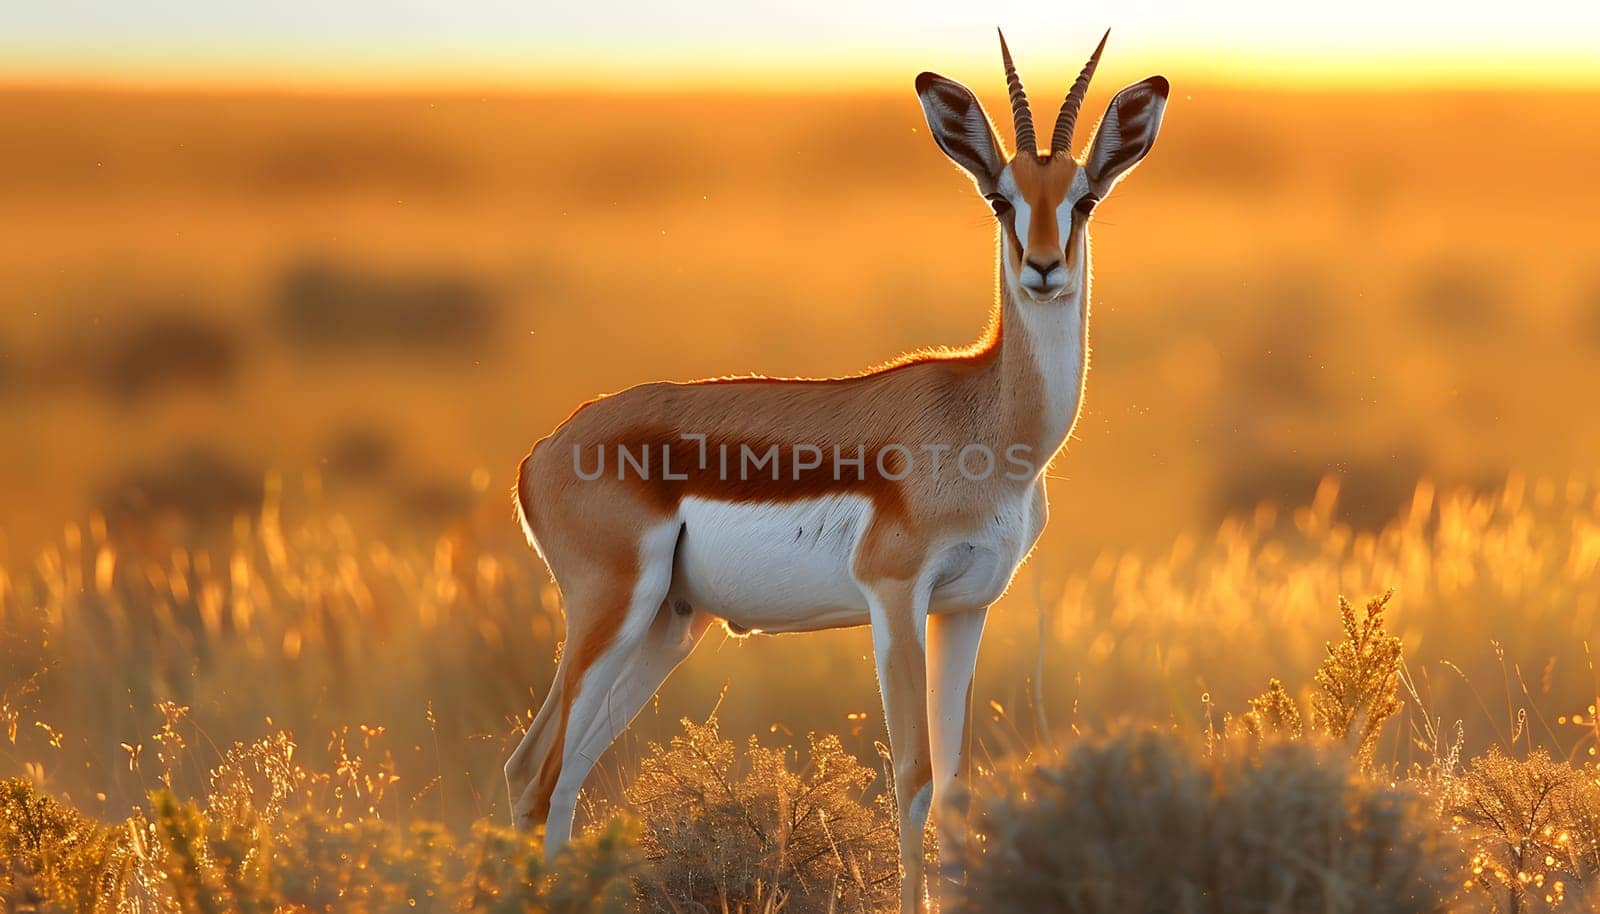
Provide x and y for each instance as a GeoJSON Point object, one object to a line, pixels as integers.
{"type": "Point", "coordinates": [1043, 354]}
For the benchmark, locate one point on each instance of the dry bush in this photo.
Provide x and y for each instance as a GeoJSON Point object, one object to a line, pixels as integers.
{"type": "Point", "coordinates": [1533, 830]}
{"type": "Point", "coordinates": [261, 843]}
{"type": "Point", "coordinates": [1353, 694]}
{"type": "Point", "coordinates": [743, 832]}
{"type": "Point", "coordinates": [1530, 827]}
{"type": "Point", "coordinates": [50, 850]}
{"type": "Point", "coordinates": [1273, 713]}
{"type": "Point", "coordinates": [1142, 822]}
{"type": "Point", "coordinates": [1355, 686]}
{"type": "Point", "coordinates": [1276, 815]}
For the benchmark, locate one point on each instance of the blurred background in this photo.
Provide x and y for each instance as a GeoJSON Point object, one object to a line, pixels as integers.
{"type": "Point", "coordinates": [354, 263]}
{"type": "Point", "coordinates": [241, 239]}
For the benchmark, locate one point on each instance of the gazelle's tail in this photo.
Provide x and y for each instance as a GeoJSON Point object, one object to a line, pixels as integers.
{"type": "Point", "coordinates": [522, 500]}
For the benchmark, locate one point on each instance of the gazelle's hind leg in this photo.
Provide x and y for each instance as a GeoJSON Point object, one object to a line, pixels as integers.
{"type": "Point", "coordinates": [532, 770]}
{"type": "Point", "coordinates": [538, 743]}
{"type": "Point", "coordinates": [616, 698]}
{"type": "Point", "coordinates": [609, 614]}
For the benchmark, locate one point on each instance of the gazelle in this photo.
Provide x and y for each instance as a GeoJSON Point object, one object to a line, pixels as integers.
{"type": "Point", "coordinates": [903, 498]}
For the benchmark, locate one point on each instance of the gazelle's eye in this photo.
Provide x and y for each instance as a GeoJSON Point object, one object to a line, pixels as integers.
{"type": "Point", "coordinates": [999, 204]}
{"type": "Point", "coordinates": [1085, 204]}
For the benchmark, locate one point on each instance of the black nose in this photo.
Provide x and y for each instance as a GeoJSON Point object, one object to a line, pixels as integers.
{"type": "Point", "coordinates": [1044, 268]}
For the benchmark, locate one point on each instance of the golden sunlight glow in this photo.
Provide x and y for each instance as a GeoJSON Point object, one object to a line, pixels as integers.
{"type": "Point", "coordinates": [726, 43]}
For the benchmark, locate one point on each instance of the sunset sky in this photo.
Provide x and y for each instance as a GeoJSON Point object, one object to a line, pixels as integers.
{"type": "Point", "coordinates": [638, 43]}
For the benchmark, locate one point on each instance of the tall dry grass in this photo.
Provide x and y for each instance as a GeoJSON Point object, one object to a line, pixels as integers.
{"type": "Point", "coordinates": [1277, 809]}
{"type": "Point", "coordinates": [433, 653]}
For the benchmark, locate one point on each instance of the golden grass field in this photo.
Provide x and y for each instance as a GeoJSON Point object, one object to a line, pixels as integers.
{"type": "Point", "coordinates": [268, 362]}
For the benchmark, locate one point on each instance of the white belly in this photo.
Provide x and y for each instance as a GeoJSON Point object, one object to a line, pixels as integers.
{"type": "Point", "coordinates": [774, 567]}
{"type": "Point", "coordinates": [788, 566]}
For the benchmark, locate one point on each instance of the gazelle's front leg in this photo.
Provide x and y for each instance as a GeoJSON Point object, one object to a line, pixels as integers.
{"type": "Point", "coordinates": [952, 656]}
{"type": "Point", "coordinates": [899, 614]}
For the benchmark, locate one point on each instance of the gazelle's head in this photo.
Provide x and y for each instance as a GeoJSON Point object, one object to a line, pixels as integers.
{"type": "Point", "coordinates": [1043, 198]}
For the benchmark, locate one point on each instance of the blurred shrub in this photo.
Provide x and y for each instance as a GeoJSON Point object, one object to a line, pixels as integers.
{"type": "Point", "coordinates": [323, 305]}
{"type": "Point", "coordinates": [1460, 296]}
{"type": "Point", "coordinates": [8, 369]}
{"type": "Point", "coordinates": [1140, 822]}
{"type": "Point", "coordinates": [197, 487]}
{"type": "Point", "coordinates": [168, 350]}
{"type": "Point", "coordinates": [1372, 490]}
{"type": "Point", "coordinates": [360, 453]}
{"type": "Point", "coordinates": [731, 830]}
{"type": "Point", "coordinates": [1289, 326]}
{"type": "Point", "coordinates": [343, 158]}
{"type": "Point", "coordinates": [435, 502]}
{"type": "Point", "coordinates": [1226, 153]}
{"type": "Point", "coordinates": [1588, 312]}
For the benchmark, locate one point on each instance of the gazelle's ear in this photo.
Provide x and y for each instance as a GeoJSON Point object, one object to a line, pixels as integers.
{"type": "Point", "coordinates": [961, 128]}
{"type": "Point", "coordinates": [1126, 133]}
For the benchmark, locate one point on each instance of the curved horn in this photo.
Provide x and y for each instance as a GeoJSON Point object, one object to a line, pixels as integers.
{"type": "Point", "coordinates": [1019, 102]}
{"type": "Point", "coordinates": [1061, 139]}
